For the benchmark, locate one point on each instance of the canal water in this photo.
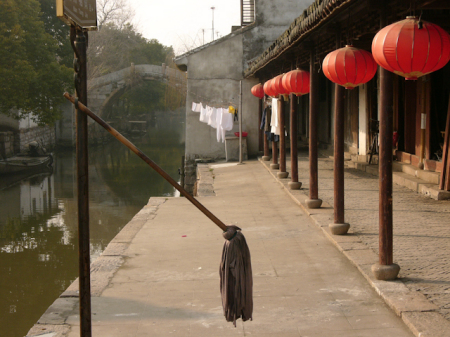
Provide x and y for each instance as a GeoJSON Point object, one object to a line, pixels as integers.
{"type": "Point", "coordinates": [38, 218]}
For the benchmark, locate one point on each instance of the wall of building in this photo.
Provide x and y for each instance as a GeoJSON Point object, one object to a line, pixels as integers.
{"type": "Point", "coordinates": [214, 75]}
{"type": "Point", "coordinates": [273, 17]}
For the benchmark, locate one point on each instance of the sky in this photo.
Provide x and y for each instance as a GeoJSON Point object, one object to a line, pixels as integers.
{"type": "Point", "coordinates": [179, 23]}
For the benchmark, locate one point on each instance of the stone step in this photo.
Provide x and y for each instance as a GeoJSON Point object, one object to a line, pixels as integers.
{"type": "Point", "coordinates": [428, 176]}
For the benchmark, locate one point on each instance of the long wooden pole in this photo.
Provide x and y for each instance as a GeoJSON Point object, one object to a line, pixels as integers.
{"type": "Point", "coordinates": [240, 122]}
{"type": "Point", "coordinates": [423, 122]}
{"type": "Point", "coordinates": [293, 131]}
{"type": "Point", "coordinates": [339, 155]}
{"type": "Point", "coordinates": [385, 167]}
{"type": "Point", "coordinates": [314, 201]}
{"type": "Point", "coordinates": [282, 135]}
{"type": "Point", "coordinates": [84, 264]}
{"type": "Point", "coordinates": [266, 140]}
{"type": "Point", "coordinates": [152, 164]}
{"type": "Point", "coordinates": [444, 183]}
{"type": "Point", "coordinates": [261, 132]}
{"type": "Point", "coordinates": [339, 201]}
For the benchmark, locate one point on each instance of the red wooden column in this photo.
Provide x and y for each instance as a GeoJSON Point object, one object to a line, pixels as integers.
{"type": "Point", "coordinates": [282, 173]}
{"type": "Point", "coordinates": [294, 184]}
{"type": "Point", "coordinates": [339, 227]}
{"type": "Point", "coordinates": [385, 269]}
{"type": "Point", "coordinates": [313, 201]}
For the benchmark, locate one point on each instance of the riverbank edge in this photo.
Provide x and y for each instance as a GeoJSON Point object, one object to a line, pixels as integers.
{"type": "Point", "coordinates": [53, 322]}
{"type": "Point", "coordinates": [417, 312]}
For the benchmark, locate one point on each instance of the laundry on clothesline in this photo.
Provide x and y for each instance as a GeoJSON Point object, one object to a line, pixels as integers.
{"type": "Point", "coordinates": [274, 121]}
{"type": "Point", "coordinates": [196, 107]}
{"type": "Point", "coordinates": [220, 119]}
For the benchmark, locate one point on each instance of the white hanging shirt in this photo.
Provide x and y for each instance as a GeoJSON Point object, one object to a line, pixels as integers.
{"type": "Point", "coordinates": [275, 127]}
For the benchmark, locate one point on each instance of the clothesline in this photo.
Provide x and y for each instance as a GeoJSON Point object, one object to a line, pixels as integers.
{"type": "Point", "coordinates": [220, 119]}
{"type": "Point", "coordinates": [201, 98]}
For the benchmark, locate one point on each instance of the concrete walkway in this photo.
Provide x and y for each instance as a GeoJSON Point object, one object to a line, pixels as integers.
{"type": "Point", "coordinates": [421, 296]}
{"type": "Point", "coordinates": [160, 275]}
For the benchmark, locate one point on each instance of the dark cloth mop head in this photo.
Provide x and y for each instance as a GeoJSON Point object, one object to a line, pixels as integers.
{"type": "Point", "coordinates": [236, 280]}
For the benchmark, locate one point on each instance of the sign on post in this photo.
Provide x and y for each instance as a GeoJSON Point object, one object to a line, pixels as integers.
{"type": "Point", "coordinates": [82, 13]}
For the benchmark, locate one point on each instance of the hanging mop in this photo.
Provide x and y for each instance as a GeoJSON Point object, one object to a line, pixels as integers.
{"type": "Point", "coordinates": [236, 281]}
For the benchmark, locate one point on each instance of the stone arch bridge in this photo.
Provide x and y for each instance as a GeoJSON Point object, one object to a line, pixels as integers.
{"type": "Point", "coordinates": [102, 90]}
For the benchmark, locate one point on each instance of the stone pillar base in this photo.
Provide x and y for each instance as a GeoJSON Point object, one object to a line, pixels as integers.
{"type": "Point", "coordinates": [282, 175]}
{"type": "Point", "coordinates": [266, 158]}
{"type": "Point", "coordinates": [295, 185]}
{"type": "Point", "coordinates": [313, 203]}
{"type": "Point", "coordinates": [385, 272]}
{"type": "Point", "coordinates": [339, 228]}
{"type": "Point", "coordinates": [274, 166]}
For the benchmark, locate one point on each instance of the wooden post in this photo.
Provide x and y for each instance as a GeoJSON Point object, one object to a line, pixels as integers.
{"type": "Point", "coordinates": [423, 122]}
{"type": "Point", "coordinates": [261, 132]}
{"type": "Point", "coordinates": [80, 47]}
{"type": "Point", "coordinates": [444, 183]}
{"type": "Point", "coordinates": [313, 201]}
{"type": "Point", "coordinates": [240, 122]}
{"type": "Point", "coordinates": [274, 165]}
{"type": "Point", "coordinates": [339, 226]}
{"type": "Point", "coordinates": [385, 269]}
{"type": "Point", "coordinates": [294, 184]}
{"type": "Point", "coordinates": [282, 174]}
{"type": "Point", "coordinates": [266, 156]}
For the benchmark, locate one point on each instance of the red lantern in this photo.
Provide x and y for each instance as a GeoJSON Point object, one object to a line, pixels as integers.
{"type": "Point", "coordinates": [410, 51]}
{"type": "Point", "coordinates": [349, 67]}
{"type": "Point", "coordinates": [277, 86]}
{"type": "Point", "coordinates": [258, 91]}
{"type": "Point", "coordinates": [296, 82]}
{"type": "Point", "coordinates": [268, 89]}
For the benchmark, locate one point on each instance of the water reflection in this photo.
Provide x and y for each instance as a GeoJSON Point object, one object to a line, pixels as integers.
{"type": "Point", "coordinates": [38, 219]}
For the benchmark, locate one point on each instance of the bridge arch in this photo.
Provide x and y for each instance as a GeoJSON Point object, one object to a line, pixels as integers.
{"type": "Point", "coordinates": [102, 90]}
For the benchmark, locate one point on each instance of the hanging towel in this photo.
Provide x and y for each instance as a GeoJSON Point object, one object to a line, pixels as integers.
{"type": "Point", "coordinates": [203, 112]}
{"type": "Point", "coordinates": [227, 121]}
{"type": "Point", "coordinates": [212, 120]}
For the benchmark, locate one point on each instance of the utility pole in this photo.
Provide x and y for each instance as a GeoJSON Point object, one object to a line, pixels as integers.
{"type": "Point", "coordinates": [203, 31]}
{"type": "Point", "coordinates": [213, 8]}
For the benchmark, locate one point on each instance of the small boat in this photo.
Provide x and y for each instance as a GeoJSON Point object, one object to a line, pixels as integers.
{"type": "Point", "coordinates": [20, 164]}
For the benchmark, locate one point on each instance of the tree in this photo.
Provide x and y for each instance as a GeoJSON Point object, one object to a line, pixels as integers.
{"type": "Point", "coordinates": [59, 30]}
{"type": "Point", "coordinates": [32, 78]}
{"type": "Point", "coordinates": [113, 48]}
{"type": "Point", "coordinates": [116, 12]}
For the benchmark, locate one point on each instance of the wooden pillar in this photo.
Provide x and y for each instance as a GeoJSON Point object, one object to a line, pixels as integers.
{"type": "Point", "coordinates": [282, 174]}
{"type": "Point", "coordinates": [294, 184]}
{"type": "Point", "coordinates": [266, 156]}
{"type": "Point", "coordinates": [274, 165]}
{"type": "Point", "coordinates": [339, 226]}
{"type": "Point", "coordinates": [80, 62]}
{"type": "Point", "coordinates": [313, 201]}
{"type": "Point", "coordinates": [385, 269]}
{"type": "Point", "coordinates": [261, 132]}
